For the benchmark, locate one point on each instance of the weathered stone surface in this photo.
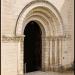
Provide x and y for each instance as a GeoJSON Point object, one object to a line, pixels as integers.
{"type": "Point", "coordinates": [12, 45]}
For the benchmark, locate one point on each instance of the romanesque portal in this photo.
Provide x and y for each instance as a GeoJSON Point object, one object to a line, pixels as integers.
{"type": "Point", "coordinates": [45, 18]}
{"type": "Point", "coordinates": [36, 35]}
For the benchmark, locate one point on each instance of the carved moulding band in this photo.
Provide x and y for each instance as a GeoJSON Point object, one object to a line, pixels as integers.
{"type": "Point", "coordinates": [64, 37]}
{"type": "Point", "coordinates": [12, 39]}
{"type": "Point", "coordinates": [21, 38]}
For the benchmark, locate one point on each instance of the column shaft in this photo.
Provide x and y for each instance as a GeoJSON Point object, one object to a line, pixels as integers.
{"type": "Point", "coordinates": [56, 61]}
{"type": "Point", "coordinates": [50, 54]}
{"type": "Point", "coordinates": [60, 53]}
{"type": "Point", "coordinates": [47, 54]}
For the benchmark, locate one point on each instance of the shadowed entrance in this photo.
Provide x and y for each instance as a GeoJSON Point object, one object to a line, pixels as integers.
{"type": "Point", "coordinates": [32, 47]}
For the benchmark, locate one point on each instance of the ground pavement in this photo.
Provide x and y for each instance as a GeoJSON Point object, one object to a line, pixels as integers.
{"type": "Point", "coordinates": [48, 73]}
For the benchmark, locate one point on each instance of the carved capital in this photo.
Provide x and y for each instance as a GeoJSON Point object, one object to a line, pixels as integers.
{"type": "Point", "coordinates": [64, 37]}
{"type": "Point", "coordinates": [12, 38]}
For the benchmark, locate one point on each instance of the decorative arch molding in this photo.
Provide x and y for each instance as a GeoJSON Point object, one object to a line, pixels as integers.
{"type": "Point", "coordinates": [51, 24]}
{"type": "Point", "coordinates": [46, 6]}
{"type": "Point", "coordinates": [53, 35]}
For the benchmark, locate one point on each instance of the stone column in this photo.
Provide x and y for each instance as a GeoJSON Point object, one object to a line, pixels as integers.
{"type": "Point", "coordinates": [43, 53]}
{"type": "Point", "coordinates": [50, 53]}
{"type": "Point", "coordinates": [56, 61]}
{"type": "Point", "coordinates": [53, 54]}
{"type": "Point", "coordinates": [47, 54]}
{"type": "Point", "coordinates": [20, 56]}
{"type": "Point", "coordinates": [59, 52]}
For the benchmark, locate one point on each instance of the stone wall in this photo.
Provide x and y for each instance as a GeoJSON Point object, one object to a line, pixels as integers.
{"type": "Point", "coordinates": [10, 10]}
{"type": "Point", "coordinates": [67, 13]}
{"type": "Point", "coordinates": [9, 58]}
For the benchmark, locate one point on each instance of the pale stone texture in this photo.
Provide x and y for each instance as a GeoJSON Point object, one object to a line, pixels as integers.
{"type": "Point", "coordinates": [9, 58]}
{"type": "Point", "coordinates": [67, 13]}
{"type": "Point", "coordinates": [10, 9]}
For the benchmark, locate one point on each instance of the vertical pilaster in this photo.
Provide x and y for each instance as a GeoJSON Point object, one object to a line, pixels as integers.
{"type": "Point", "coordinates": [60, 53]}
{"type": "Point", "coordinates": [43, 53]}
{"type": "Point", "coordinates": [47, 54]}
{"type": "Point", "coordinates": [53, 54]}
{"type": "Point", "coordinates": [50, 53]}
{"type": "Point", "coordinates": [56, 61]}
{"type": "Point", "coordinates": [49, 59]}
{"type": "Point", "coordinates": [21, 57]}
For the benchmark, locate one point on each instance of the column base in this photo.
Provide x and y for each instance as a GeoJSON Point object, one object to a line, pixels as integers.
{"type": "Point", "coordinates": [54, 68]}
{"type": "Point", "coordinates": [20, 73]}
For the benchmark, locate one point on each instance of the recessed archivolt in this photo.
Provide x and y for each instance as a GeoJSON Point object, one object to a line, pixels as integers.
{"type": "Point", "coordinates": [53, 23]}
{"type": "Point", "coordinates": [37, 18]}
{"type": "Point", "coordinates": [53, 20]}
{"type": "Point", "coordinates": [48, 12]}
{"type": "Point", "coordinates": [46, 15]}
{"type": "Point", "coordinates": [45, 20]}
{"type": "Point", "coordinates": [42, 9]}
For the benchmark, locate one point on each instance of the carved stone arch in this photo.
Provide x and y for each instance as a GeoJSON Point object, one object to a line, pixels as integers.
{"type": "Point", "coordinates": [49, 34]}
{"type": "Point", "coordinates": [31, 6]}
{"type": "Point", "coordinates": [40, 22]}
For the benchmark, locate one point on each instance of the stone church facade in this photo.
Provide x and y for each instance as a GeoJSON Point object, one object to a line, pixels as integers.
{"type": "Point", "coordinates": [55, 19]}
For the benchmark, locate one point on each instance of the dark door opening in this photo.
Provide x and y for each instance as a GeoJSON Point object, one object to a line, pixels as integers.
{"type": "Point", "coordinates": [32, 47]}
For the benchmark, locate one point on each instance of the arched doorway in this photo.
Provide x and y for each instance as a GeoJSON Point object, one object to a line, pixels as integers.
{"type": "Point", "coordinates": [32, 47]}
{"type": "Point", "coordinates": [51, 24]}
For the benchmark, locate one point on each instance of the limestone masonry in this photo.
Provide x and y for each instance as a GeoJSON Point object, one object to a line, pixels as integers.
{"type": "Point", "coordinates": [56, 21]}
